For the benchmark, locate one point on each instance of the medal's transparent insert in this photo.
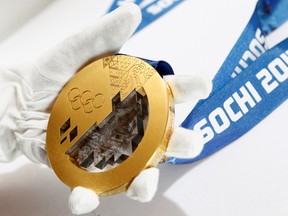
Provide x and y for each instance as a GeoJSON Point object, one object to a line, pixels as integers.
{"type": "Point", "coordinates": [108, 144]}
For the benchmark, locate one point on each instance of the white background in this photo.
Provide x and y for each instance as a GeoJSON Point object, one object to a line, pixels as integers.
{"type": "Point", "coordinates": [249, 177]}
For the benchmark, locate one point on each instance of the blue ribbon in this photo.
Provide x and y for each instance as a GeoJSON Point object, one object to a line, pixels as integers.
{"type": "Point", "coordinates": [250, 84]}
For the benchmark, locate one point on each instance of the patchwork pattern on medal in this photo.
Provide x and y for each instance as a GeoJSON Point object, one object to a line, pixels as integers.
{"type": "Point", "coordinates": [127, 73]}
{"type": "Point", "coordinates": [116, 138]}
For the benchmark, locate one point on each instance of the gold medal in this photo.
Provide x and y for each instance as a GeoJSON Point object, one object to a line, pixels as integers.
{"type": "Point", "coordinates": [112, 120]}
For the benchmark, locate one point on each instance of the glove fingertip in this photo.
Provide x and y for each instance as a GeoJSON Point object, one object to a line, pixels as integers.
{"type": "Point", "coordinates": [185, 143]}
{"type": "Point", "coordinates": [83, 200]}
{"type": "Point", "coordinates": [133, 11]}
{"type": "Point", "coordinates": [144, 186]}
{"type": "Point", "coordinates": [189, 88]}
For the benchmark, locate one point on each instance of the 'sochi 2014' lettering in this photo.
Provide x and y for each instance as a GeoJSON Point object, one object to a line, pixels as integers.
{"type": "Point", "coordinates": [241, 102]}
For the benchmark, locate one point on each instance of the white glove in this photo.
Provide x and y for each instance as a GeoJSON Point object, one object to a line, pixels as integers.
{"type": "Point", "coordinates": [28, 92]}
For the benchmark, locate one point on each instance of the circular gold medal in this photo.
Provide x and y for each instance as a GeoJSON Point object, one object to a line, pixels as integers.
{"type": "Point", "coordinates": [112, 120]}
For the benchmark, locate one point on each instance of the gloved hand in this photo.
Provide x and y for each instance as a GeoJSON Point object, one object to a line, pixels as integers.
{"type": "Point", "coordinates": [29, 91]}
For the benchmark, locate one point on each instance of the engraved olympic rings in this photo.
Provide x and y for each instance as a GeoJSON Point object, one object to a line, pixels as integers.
{"type": "Point", "coordinates": [85, 100]}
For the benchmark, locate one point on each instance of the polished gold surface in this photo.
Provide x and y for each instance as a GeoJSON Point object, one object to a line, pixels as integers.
{"type": "Point", "coordinates": [86, 100]}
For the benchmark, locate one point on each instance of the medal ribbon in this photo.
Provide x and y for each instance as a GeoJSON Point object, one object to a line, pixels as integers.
{"type": "Point", "coordinates": [251, 83]}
